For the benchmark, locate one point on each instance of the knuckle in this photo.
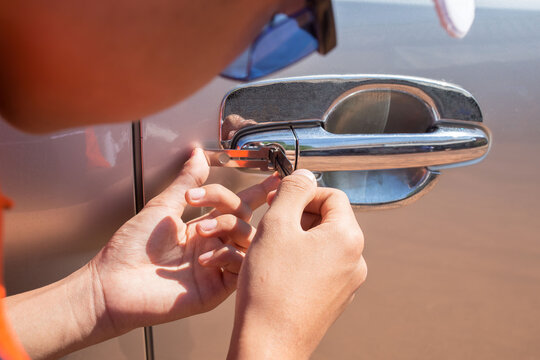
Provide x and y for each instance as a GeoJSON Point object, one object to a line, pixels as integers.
{"type": "Point", "coordinates": [297, 183]}
{"type": "Point", "coordinates": [358, 250]}
{"type": "Point", "coordinates": [357, 237]}
{"type": "Point", "coordinates": [362, 271]}
{"type": "Point", "coordinates": [244, 211]}
{"type": "Point", "coordinates": [358, 276]}
{"type": "Point", "coordinates": [340, 196]}
{"type": "Point", "coordinates": [233, 118]}
{"type": "Point", "coordinates": [361, 240]}
{"type": "Point", "coordinates": [353, 235]}
{"type": "Point", "coordinates": [354, 243]}
{"type": "Point", "coordinates": [242, 228]}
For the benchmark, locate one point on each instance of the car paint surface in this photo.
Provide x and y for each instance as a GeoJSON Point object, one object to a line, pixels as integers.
{"type": "Point", "coordinates": [71, 190]}
{"type": "Point", "coordinates": [454, 275]}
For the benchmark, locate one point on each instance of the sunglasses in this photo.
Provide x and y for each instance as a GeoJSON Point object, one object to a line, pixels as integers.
{"type": "Point", "coordinates": [285, 40]}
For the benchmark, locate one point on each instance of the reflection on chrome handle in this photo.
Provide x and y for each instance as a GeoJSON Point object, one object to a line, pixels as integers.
{"type": "Point", "coordinates": [448, 144]}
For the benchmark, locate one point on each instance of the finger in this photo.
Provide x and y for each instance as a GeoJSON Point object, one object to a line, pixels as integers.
{"type": "Point", "coordinates": [219, 197]}
{"type": "Point", "coordinates": [227, 257]}
{"type": "Point", "coordinates": [293, 194]}
{"type": "Point", "coordinates": [335, 211]}
{"type": "Point", "coordinates": [232, 124]}
{"type": "Point", "coordinates": [270, 197]}
{"type": "Point", "coordinates": [229, 229]}
{"type": "Point", "coordinates": [331, 205]}
{"type": "Point", "coordinates": [308, 220]}
{"type": "Point", "coordinates": [256, 195]}
{"type": "Point", "coordinates": [194, 174]}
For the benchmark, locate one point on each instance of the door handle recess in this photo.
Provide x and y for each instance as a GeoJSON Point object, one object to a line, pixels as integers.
{"type": "Point", "coordinates": [381, 139]}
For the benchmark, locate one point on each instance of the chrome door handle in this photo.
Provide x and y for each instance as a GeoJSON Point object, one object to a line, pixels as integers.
{"type": "Point", "coordinates": [446, 144]}
{"type": "Point", "coordinates": [380, 139]}
{"type": "Point", "coordinates": [315, 149]}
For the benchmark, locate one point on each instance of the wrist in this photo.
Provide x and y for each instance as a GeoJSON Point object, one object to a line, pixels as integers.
{"type": "Point", "coordinates": [87, 301]}
{"type": "Point", "coordinates": [61, 317]}
{"type": "Point", "coordinates": [86, 319]}
{"type": "Point", "coordinates": [257, 337]}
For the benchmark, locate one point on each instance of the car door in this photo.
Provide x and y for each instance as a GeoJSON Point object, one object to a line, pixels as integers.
{"type": "Point", "coordinates": [451, 275]}
{"type": "Point", "coordinates": [71, 191]}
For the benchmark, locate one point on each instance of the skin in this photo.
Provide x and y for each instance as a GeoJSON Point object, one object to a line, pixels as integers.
{"type": "Point", "coordinates": [155, 269]}
{"type": "Point", "coordinates": [317, 275]}
{"type": "Point", "coordinates": [73, 63]}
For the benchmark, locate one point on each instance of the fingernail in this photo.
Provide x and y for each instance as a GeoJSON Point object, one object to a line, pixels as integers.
{"type": "Point", "coordinates": [306, 173]}
{"type": "Point", "coordinates": [208, 224]}
{"type": "Point", "coordinates": [196, 194]}
{"type": "Point", "coordinates": [206, 256]}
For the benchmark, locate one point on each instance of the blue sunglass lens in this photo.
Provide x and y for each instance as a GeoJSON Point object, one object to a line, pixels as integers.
{"type": "Point", "coordinates": [281, 44]}
{"type": "Point", "coordinates": [281, 47]}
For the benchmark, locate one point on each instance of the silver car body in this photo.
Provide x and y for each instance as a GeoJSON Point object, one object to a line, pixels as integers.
{"type": "Point", "coordinates": [452, 276]}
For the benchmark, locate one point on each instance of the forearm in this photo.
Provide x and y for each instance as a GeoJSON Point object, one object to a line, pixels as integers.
{"type": "Point", "coordinates": [60, 318]}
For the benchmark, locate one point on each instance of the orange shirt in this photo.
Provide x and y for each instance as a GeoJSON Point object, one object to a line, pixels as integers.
{"type": "Point", "coordinates": [10, 348]}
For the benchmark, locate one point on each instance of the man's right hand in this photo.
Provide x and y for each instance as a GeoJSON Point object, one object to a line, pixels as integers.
{"type": "Point", "coordinates": [300, 272]}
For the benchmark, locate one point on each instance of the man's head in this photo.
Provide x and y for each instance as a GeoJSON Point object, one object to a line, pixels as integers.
{"type": "Point", "coordinates": [72, 63]}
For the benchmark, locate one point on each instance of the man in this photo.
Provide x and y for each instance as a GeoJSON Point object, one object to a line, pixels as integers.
{"type": "Point", "coordinates": [67, 64]}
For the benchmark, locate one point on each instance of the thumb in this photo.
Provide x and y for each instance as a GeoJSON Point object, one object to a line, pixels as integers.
{"type": "Point", "coordinates": [293, 194]}
{"type": "Point", "coordinates": [194, 174]}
